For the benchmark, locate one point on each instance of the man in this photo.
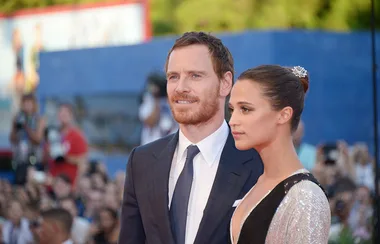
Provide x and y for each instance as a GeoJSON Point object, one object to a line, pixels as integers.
{"type": "Point", "coordinates": [55, 227]}
{"type": "Point", "coordinates": [26, 136]}
{"type": "Point", "coordinates": [154, 111]}
{"type": "Point", "coordinates": [72, 158]}
{"type": "Point", "coordinates": [183, 188]}
{"type": "Point", "coordinates": [81, 226]}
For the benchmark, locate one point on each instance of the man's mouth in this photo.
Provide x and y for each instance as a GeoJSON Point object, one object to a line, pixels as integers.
{"type": "Point", "coordinates": [185, 101]}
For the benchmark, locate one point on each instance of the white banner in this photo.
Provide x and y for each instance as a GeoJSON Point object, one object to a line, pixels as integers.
{"type": "Point", "coordinates": [65, 28]}
{"type": "Point", "coordinates": [26, 33]}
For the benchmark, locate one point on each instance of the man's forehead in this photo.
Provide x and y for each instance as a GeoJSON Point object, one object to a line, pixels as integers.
{"type": "Point", "coordinates": [189, 60]}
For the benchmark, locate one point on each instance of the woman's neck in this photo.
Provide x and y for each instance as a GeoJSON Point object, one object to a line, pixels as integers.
{"type": "Point", "coordinates": [280, 159]}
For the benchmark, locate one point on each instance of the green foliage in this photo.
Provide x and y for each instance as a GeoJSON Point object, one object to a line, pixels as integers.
{"type": "Point", "coordinates": [178, 16]}
{"type": "Point", "coordinates": [345, 237]}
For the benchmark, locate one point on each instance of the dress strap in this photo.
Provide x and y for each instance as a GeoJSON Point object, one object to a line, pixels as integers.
{"type": "Point", "coordinates": [294, 179]}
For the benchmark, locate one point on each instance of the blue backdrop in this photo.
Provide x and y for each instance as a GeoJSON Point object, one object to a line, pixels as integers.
{"type": "Point", "coordinates": [338, 105]}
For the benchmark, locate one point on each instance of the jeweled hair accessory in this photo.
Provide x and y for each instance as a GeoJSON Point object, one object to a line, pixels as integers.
{"type": "Point", "coordinates": [299, 71]}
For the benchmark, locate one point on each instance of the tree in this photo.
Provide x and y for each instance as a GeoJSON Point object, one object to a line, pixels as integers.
{"type": "Point", "coordinates": [213, 15]}
{"type": "Point", "coordinates": [178, 16]}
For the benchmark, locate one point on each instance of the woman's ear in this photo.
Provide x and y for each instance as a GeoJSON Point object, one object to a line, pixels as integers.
{"type": "Point", "coordinates": [285, 115]}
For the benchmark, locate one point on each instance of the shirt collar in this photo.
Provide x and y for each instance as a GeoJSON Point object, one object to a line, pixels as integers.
{"type": "Point", "coordinates": [209, 147]}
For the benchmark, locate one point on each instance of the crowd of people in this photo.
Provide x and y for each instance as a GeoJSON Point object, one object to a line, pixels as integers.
{"type": "Point", "coordinates": [93, 204]}
{"type": "Point", "coordinates": [347, 174]}
{"type": "Point", "coordinates": [54, 182]}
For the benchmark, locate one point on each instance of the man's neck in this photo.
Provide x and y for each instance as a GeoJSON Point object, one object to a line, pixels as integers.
{"type": "Point", "coordinates": [196, 133]}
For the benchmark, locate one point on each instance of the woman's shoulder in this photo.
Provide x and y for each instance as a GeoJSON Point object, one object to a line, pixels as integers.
{"type": "Point", "coordinates": [305, 211]}
{"type": "Point", "coordinates": [306, 186]}
{"type": "Point", "coordinates": [307, 192]}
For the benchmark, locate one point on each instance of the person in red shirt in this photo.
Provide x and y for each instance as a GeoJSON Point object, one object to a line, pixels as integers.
{"type": "Point", "coordinates": [74, 144]}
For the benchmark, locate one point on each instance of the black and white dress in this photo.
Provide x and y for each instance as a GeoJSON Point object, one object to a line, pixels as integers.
{"type": "Point", "coordinates": [295, 211]}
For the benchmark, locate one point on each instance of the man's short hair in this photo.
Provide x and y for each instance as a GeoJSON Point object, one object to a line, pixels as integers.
{"type": "Point", "coordinates": [59, 215]}
{"type": "Point", "coordinates": [220, 55]}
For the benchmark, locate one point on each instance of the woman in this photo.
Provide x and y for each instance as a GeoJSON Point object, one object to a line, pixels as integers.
{"type": "Point", "coordinates": [108, 228]}
{"type": "Point", "coordinates": [287, 204]}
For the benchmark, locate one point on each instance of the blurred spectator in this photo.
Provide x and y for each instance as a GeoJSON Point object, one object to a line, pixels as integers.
{"type": "Point", "coordinates": [361, 213]}
{"type": "Point", "coordinates": [62, 187]}
{"type": "Point", "coordinates": [54, 227]}
{"type": "Point", "coordinates": [16, 229]}
{"type": "Point", "coordinates": [81, 226]}
{"type": "Point", "coordinates": [154, 111]}
{"type": "Point", "coordinates": [306, 152]}
{"type": "Point", "coordinates": [94, 203]}
{"type": "Point", "coordinates": [98, 181]}
{"type": "Point", "coordinates": [32, 210]}
{"type": "Point", "coordinates": [119, 182]}
{"type": "Point", "coordinates": [106, 229]}
{"type": "Point", "coordinates": [333, 163]}
{"type": "Point", "coordinates": [111, 201]}
{"type": "Point", "coordinates": [69, 156]}
{"type": "Point", "coordinates": [343, 198]}
{"type": "Point", "coordinates": [364, 166]}
{"type": "Point", "coordinates": [46, 203]}
{"type": "Point", "coordinates": [82, 193]}
{"type": "Point", "coordinates": [26, 136]}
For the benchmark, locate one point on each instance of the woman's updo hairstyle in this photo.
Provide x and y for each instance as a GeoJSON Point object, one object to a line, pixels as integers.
{"type": "Point", "coordinates": [283, 86]}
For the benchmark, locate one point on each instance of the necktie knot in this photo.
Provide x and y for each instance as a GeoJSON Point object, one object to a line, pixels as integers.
{"type": "Point", "coordinates": [192, 151]}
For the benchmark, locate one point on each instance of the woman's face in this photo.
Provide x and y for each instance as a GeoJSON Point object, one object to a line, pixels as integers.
{"type": "Point", "coordinates": [107, 222]}
{"type": "Point", "coordinates": [253, 121]}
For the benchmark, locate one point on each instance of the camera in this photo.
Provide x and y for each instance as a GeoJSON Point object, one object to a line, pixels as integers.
{"type": "Point", "coordinates": [331, 153]}
{"type": "Point", "coordinates": [57, 148]}
{"type": "Point", "coordinates": [157, 85]}
{"type": "Point", "coordinates": [20, 121]}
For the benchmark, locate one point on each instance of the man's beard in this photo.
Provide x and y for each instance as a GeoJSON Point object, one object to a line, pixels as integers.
{"type": "Point", "coordinates": [204, 111]}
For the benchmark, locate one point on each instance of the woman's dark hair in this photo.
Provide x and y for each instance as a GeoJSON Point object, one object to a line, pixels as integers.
{"type": "Point", "coordinates": [113, 213]}
{"type": "Point", "coordinates": [282, 86]}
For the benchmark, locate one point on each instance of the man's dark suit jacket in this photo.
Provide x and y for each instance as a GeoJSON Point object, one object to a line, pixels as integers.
{"type": "Point", "coordinates": [145, 211]}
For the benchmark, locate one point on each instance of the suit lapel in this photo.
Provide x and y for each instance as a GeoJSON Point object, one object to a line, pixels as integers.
{"type": "Point", "coordinates": [229, 181]}
{"type": "Point", "coordinates": [160, 199]}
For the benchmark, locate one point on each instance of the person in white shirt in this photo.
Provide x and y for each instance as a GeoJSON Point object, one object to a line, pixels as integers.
{"type": "Point", "coordinates": [183, 188]}
{"type": "Point", "coordinates": [154, 111]}
{"type": "Point", "coordinates": [16, 229]}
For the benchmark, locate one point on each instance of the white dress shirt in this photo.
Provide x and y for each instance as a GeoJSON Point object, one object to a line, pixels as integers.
{"type": "Point", "coordinates": [205, 167]}
{"type": "Point", "coordinates": [22, 233]}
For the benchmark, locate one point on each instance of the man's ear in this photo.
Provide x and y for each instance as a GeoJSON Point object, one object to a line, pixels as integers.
{"type": "Point", "coordinates": [226, 84]}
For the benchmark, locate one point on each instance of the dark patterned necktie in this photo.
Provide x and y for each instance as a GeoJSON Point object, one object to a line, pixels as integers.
{"type": "Point", "coordinates": [181, 195]}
